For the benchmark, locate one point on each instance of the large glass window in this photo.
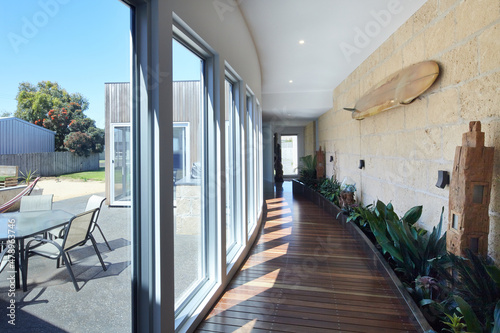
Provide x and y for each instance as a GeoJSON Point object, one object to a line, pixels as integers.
{"type": "Point", "coordinates": [189, 172]}
{"type": "Point", "coordinates": [250, 163]}
{"type": "Point", "coordinates": [259, 173]}
{"type": "Point", "coordinates": [231, 234]}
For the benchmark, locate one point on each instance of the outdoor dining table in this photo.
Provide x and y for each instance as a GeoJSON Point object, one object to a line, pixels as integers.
{"type": "Point", "coordinates": [16, 227]}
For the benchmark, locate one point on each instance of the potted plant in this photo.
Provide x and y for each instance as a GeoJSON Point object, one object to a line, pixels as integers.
{"type": "Point", "coordinates": [27, 178]}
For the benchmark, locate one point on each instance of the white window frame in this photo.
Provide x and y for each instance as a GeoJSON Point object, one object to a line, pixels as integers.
{"type": "Point", "coordinates": [233, 252]}
{"type": "Point", "coordinates": [187, 157]}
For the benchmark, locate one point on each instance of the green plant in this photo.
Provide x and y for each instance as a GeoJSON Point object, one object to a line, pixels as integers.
{"type": "Point", "coordinates": [330, 189]}
{"type": "Point", "coordinates": [413, 252]}
{"type": "Point", "coordinates": [454, 323]}
{"type": "Point", "coordinates": [476, 291]}
{"type": "Point", "coordinates": [496, 316]}
{"type": "Point", "coordinates": [28, 177]}
{"type": "Point", "coordinates": [356, 213]}
{"type": "Point", "coordinates": [79, 143]}
{"type": "Point", "coordinates": [426, 290]}
{"type": "Point", "coordinates": [307, 170]}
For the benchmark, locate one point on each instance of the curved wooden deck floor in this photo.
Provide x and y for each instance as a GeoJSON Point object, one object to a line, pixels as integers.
{"type": "Point", "coordinates": [307, 274]}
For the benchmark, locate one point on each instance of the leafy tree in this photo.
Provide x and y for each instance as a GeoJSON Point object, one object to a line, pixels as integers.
{"type": "Point", "coordinates": [79, 143]}
{"type": "Point", "coordinates": [34, 102]}
{"type": "Point", "coordinates": [50, 106]}
{"type": "Point", "coordinates": [87, 126]}
{"type": "Point", "coordinates": [5, 114]}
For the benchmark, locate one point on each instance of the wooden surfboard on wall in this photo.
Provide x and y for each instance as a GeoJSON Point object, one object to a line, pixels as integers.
{"type": "Point", "coordinates": [397, 89]}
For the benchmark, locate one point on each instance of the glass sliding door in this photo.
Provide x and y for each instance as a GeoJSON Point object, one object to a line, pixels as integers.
{"type": "Point", "coordinates": [120, 165]}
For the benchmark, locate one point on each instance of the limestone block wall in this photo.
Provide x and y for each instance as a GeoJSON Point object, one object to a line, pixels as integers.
{"type": "Point", "coordinates": [309, 139]}
{"type": "Point", "coordinates": [405, 147]}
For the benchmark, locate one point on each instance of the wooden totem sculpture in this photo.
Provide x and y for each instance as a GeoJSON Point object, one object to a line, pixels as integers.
{"type": "Point", "coordinates": [470, 187]}
{"type": "Point", "coordinates": [278, 166]}
{"type": "Point", "coordinates": [320, 164]}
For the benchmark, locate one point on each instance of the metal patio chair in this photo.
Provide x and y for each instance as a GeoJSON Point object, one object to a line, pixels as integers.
{"type": "Point", "coordinates": [4, 258]}
{"type": "Point", "coordinates": [96, 201]}
{"type": "Point", "coordinates": [93, 202]}
{"type": "Point", "coordinates": [77, 233]}
{"type": "Point", "coordinates": [36, 202]}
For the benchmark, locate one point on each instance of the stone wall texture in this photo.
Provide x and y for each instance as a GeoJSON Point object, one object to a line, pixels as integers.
{"type": "Point", "coordinates": [310, 139]}
{"type": "Point", "coordinates": [404, 148]}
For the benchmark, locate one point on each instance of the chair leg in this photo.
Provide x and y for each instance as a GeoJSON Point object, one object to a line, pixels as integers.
{"type": "Point", "coordinates": [102, 234]}
{"type": "Point", "coordinates": [68, 267]}
{"type": "Point", "coordinates": [97, 251]}
{"type": "Point", "coordinates": [24, 272]}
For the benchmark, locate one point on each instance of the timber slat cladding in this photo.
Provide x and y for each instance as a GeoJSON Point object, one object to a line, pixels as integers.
{"type": "Point", "coordinates": [306, 274]}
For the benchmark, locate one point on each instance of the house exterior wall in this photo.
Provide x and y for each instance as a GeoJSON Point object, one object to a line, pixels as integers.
{"type": "Point", "coordinates": [21, 137]}
{"type": "Point", "coordinates": [405, 147]}
{"type": "Point", "coordinates": [116, 111]}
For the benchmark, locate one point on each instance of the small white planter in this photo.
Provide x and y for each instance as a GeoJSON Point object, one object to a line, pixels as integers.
{"type": "Point", "coordinates": [37, 191]}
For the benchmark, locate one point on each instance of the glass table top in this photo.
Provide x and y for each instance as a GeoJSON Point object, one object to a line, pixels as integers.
{"type": "Point", "coordinates": [25, 224]}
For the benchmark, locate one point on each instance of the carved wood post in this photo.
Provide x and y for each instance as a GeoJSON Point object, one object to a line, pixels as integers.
{"type": "Point", "coordinates": [320, 164]}
{"type": "Point", "coordinates": [471, 180]}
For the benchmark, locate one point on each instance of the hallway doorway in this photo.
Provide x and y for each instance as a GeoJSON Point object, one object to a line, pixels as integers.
{"type": "Point", "coordinates": [289, 155]}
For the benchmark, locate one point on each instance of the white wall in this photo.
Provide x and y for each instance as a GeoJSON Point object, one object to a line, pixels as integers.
{"type": "Point", "coordinates": [221, 25]}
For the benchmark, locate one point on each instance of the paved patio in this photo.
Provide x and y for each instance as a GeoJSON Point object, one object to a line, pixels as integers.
{"type": "Point", "coordinates": [103, 303]}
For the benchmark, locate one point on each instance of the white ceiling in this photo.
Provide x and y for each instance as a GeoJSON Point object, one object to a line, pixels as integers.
{"type": "Point", "coordinates": [319, 65]}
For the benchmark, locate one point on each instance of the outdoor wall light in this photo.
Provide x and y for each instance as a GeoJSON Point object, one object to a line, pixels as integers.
{"type": "Point", "coordinates": [443, 178]}
{"type": "Point", "coordinates": [361, 164]}
{"type": "Point", "coordinates": [331, 158]}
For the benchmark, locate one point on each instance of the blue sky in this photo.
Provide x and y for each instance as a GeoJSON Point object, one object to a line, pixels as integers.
{"type": "Point", "coordinates": [79, 44]}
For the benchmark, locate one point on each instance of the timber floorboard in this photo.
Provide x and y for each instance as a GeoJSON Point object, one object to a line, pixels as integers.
{"type": "Point", "coordinates": [306, 274]}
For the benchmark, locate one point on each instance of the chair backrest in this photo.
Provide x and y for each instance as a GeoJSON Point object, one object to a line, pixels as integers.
{"type": "Point", "coordinates": [77, 231]}
{"type": "Point", "coordinates": [3, 258]}
{"type": "Point", "coordinates": [36, 202]}
{"type": "Point", "coordinates": [95, 201]}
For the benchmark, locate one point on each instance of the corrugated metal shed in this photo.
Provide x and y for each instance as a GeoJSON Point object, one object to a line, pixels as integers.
{"type": "Point", "coordinates": [21, 137]}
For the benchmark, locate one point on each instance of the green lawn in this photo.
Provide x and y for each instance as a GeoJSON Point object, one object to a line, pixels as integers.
{"type": "Point", "coordinates": [87, 175]}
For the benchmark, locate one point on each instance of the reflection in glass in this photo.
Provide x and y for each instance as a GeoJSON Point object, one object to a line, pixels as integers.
{"type": "Point", "coordinates": [230, 167]}
{"type": "Point", "coordinates": [250, 158]}
{"type": "Point", "coordinates": [188, 159]}
{"type": "Point", "coordinates": [121, 164]}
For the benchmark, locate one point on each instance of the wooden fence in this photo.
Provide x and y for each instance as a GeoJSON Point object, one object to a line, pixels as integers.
{"type": "Point", "coordinates": [51, 164]}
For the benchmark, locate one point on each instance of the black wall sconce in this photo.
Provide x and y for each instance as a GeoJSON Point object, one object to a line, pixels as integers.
{"type": "Point", "coordinates": [443, 178]}
{"type": "Point", "coordinates": [331, 158]}
{"type": "Point", "coordinates": [361, 164]}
